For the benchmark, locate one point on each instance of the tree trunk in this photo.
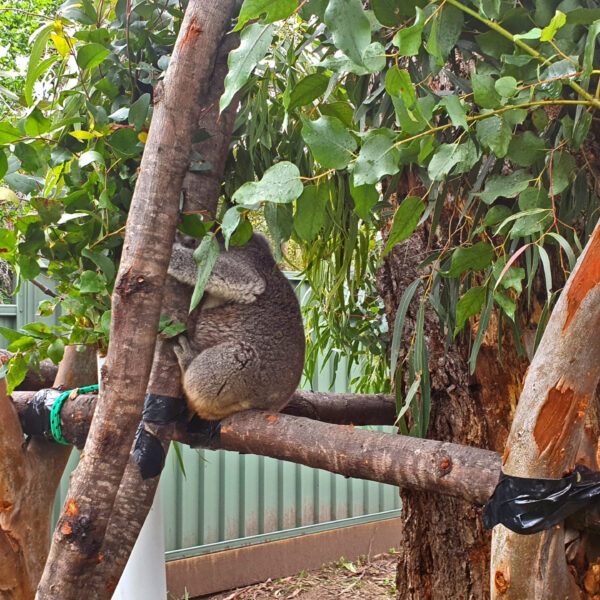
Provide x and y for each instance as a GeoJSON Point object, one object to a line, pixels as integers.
{"type": "Point", "coordinates": [201, 193]}
{"type": "Point", "coordinates": [29, 476]}
{"type": "Point", "coordinates": [444, 551]}
{"type": "Point", "coordinates": [548, 430]}
{"type": "Point", "coordinates": [78, 540]}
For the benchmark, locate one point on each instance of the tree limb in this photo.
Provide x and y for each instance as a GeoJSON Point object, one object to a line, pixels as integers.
{"type": "Point", "coordinates": [29, 476]}
{"type": "Point", "coordinates": [137, 297]}
{"type": "Point", "coordinates": [548, 429]}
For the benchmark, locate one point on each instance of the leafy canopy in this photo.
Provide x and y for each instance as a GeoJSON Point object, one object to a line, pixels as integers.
{"type": "Point", "coordinates": [487, 105]}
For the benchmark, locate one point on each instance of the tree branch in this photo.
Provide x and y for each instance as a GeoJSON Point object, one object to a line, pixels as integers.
{"type": "Point", "coordinates": [138, 291]}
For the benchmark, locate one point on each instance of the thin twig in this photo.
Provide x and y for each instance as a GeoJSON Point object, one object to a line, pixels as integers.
{"type": "Point", "coordinates": [44, 289]}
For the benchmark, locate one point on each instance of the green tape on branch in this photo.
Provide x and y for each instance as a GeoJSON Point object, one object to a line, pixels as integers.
{"type": "Point", "coordinates": [55, 427]}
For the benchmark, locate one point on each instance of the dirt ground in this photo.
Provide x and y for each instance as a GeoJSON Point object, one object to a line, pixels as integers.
{"type": "Point", "coordinates": [361, 580]}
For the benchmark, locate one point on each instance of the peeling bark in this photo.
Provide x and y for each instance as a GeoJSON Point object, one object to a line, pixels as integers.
{"type": "Point", "coordinates": [548, 431]}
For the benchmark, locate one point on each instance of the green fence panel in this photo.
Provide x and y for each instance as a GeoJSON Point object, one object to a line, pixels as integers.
{"type": "Point", "coordinates": [226, 500]}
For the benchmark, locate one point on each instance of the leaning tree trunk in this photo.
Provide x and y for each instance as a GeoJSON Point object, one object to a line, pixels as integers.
{"type": "Point", "coordinates": [201, 192]}
{"type": "Point", "coordinates": [78, 539]}
{"type": "Point", "coordinates": [444, 551]}
{"type": "Point", "coordinates": [548, 431]}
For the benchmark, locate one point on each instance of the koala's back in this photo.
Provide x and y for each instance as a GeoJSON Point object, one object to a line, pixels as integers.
{"type": "Point", "coordinates": [271, 326]}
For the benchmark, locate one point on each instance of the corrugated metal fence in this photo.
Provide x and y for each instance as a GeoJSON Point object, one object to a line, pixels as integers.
{"type": "Point", "coordinates": [226, 500]}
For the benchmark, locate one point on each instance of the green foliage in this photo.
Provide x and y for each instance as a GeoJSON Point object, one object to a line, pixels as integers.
{"type": "Point", "coordinates": [69, 152]}
{"type": "Point", "coordinates": [487, 106]}
{"type": "Point", "coordinates": [500, 142]}
{"type": "Point", "coordinates": [19, 19]}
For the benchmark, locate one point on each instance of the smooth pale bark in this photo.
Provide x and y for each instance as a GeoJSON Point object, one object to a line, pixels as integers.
{"type": "Point", "coordinates": [548, 429]}
{"type": "Point", "coordinates": [79, 536]}
{"type": "Point", "coordinates": [29, 476]}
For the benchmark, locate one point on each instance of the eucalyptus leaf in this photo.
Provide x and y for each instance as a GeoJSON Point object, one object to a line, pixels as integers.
{"type": "Point", "coordinates": [89, 157]}
{"type": "Point", "coordinates": [378, 156]}
{"type": "Point", "coordinates": [205, 256]}
{"type": "Point", "coordinates": [280, 183]}
{"type": "Point", "coordinates": [495, 134]}
{"type": "Point", "coordinates": [229, 223]}
{"type": "Point", "coordinates": [349, 27]}
{"type": "Point", "coordinates": [8, 133]}
{"type": "Point", "coordinates": [408, 39]}
{"type": "Point", "coordinates": [254, 43]}
{"type": "Point", "coordinates": [456, 110]}
{"type": "Point", "coordinates": [474, 258]}
{"type": "Point", "coordinates": [405, 300]}
{"type": "Point", "coordinates": [398, 83]}
{"type": "Point", "coordinates": [308, 89]}
{"type": "Point", "coordinates": [484, 91]}
{"type": "Point", "coordinates": [506, 186]}
{"type": "Point", "coordinates": [91, 283]}
{"type": "Point", "coordinates": [405, 221]}
{"type": "Point", "coordinates": [91, 55]}
{"type": "Point", "coordinates": [311, 211]}
{"type": "Point", "coordinates": [139, 111]}
{"type": "Point", "coordinates": [365, 198]}
{"type": "Point", "coordinates": [526, 149]}
{"type": "Point", "coordinates": [41, 37]}
{"type": "Point", "coordinates": [268, 10]}
{"type": "Point", "coordinates": [468, 306]}
{"type": "Point", "coordinates": [329, 141]}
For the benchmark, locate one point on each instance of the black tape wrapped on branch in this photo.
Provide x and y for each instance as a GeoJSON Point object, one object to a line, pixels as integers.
{"type": "Point", "coordinates": [529, 506]}
{"type": "Point", "coordinates": [148, 451]}
{"type": "Point", "coordinates": [35, 420]}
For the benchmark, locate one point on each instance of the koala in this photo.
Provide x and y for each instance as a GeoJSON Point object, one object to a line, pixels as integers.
{"type": "Point", "coordinates": [246, 338]}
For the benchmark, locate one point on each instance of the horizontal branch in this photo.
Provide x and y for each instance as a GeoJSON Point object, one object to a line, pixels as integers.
{"type": "Point", "coordinates": [342, 409]}
{"type": "Point", "coordinates": [419, 464]}
{"type": "Point", "coordinates": [425, 465]}
{"type": "Point", "coordinates": [428, 465]}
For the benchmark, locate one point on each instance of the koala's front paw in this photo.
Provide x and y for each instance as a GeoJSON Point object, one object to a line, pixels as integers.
{"type": "Point", "coordinates": [183, 352]}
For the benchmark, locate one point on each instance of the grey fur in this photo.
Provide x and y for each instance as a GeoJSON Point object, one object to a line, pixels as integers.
{"type": "Point", "coordinates": [246, 349]}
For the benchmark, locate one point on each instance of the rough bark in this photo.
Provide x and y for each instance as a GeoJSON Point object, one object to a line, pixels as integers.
{"type": "Point", "coordinates": [548, 430]}
{"type": "Point", "coordinates": [444, 552]}
{"type": "Point", "coordinates": [137, 297]}
{"type": "Point", "coordinates": [29, 476]}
